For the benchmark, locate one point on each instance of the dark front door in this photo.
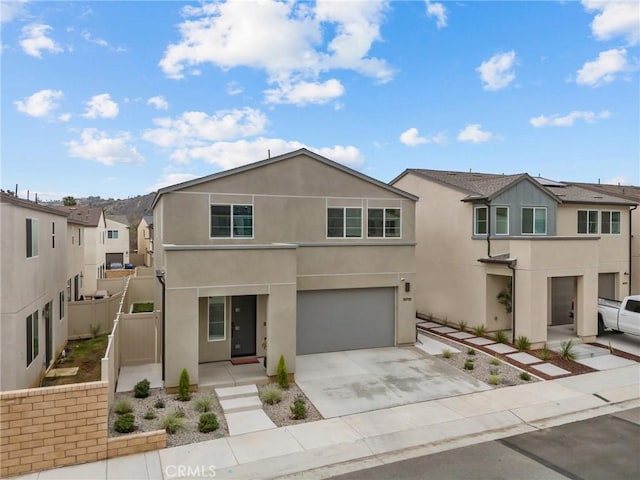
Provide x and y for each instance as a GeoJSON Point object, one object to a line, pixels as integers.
{"type": "Point", "coordinates": [243, 326]}
{"type": "Point", "coordinates": [48, 331]}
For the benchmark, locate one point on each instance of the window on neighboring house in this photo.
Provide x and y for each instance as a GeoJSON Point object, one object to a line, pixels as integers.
{"type": "Point", "coordinates": [32, 237]}
{"type": "Point", "coordinates": [53, 234]}
{"type": "Point", "coordinates": [383, 222]}
{"type": "Point", "coordinates": [588, 221]}
{"type": "Point", "coordinates": [502, 220]}
{"type": "Point", "coordinates": [68, 290]}
{"type": "Point", "coordinates": [480, 221]}
{"type": "Point", "coordinates": [611, 222]}
{"type": "Point", "coordinates": [344, 222]}
{"type": "Point", "coordinates": [61, 308]}
{"type": "Point", "coordinates": [112, 234]}
{"type": "Point", "coordinates": [216, 319]}
{"type": "Point", "coordinates": [231, 221]}
{"type": "Point", "coordinates": [79, 236]}
{"type": "Point", "coordinates": [32, 337]}
{"type": "Point", "coordinates": [534, 220]}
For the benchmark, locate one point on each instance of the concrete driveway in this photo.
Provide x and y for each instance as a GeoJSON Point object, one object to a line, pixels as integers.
{"type": "Point", "coordinates": [621, 341]}
{"type": "Point", "coordinates": [343, 383]}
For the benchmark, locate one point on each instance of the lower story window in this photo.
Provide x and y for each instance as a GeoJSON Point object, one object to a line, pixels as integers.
{"type": "Point", "coordinates": [32, 337]}
{"type": "Point", "coordinates": [216, 319]}
{"type": "Point", "coordinates": [61, 300]}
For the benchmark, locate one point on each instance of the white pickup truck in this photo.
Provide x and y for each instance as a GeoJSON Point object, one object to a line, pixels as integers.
{"type": "Point", "coordinates": [621, 316]}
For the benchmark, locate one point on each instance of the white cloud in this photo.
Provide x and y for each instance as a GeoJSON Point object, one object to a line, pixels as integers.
{"type": "Point", "coordinates": [169, 179]}
{"type": "Point", "coordinates": [101, 106]}
{"type": "Point", "coordinates": [568, 120]}
{"type": "Point", "coordinates": [474, 133]}
{"type": "Point", "coordinates": [604, 69]}
{"type": "Point", "coordinates": [285, 39]}
{"type": "Point", "coordinates": [412, 138]}
{"type": "Point", "coordinates": [159, 102]}
{"type": "Point", "coordinates": [198, 128]}
{"type": "Point", "coordinates": [10, 10]}
{"type": "Point", "coordinates": [615, 18]}
{"type": "Point", "coordinates": [98, 41]}
{"type": "Point", "coordinates": [34, 40]}
{"type": "Point", "coordinates": [65, 117]}
{"type": "Point", "coordinates": [303, 93]}
{"type": "Point", "coordinates": [98, 146]}
{"type": "Point", "coordinates": [497, 72]}
{"type": "Point", "coordinates": [437, 10]}
{"type": "Point", "coordinates": [233, 88]}
{"type": "Point", "coordinates": [40, 104]}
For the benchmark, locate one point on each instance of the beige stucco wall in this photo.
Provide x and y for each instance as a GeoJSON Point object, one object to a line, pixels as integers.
{"type": "Point", "coordinates": [28, 284]}
{"type": "Point", "coordinates": [145, 241]}
{"type": "Point", "coordinates": [94, 255]}
{"type": "Point", "coordinates": [75, 256]}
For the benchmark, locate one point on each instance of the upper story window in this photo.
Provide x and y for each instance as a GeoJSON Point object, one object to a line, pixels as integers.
{"type": "Point", "coordinates": [384, 222]}
{"type": "Point", "coordinates": [480, 221]}
{"type": "Point", "coordinates": [611, 222]}
{"type": "Point", "coordinates": [61, 305]}
{"type": "Point", "coordinates": [79, 236]}
{"type": "Point", "coordinates": [502, 220]}
{"type": "Point", "coordinates": [112, 234]}
{"type": "Point", "coordinates": [588, 221]}
{"type": "Point", "coordinates": [534, 220]}
{"type": "Point", "coordinates": [53, 234]}
{"type": "Point", "coordinates": [32, 337]}
{"type": "Point", "coordinates": [344, 222]}
{"type": "Point", "coordinates": [32, 237]}
{"type": "Point", "coordinates": [231, 221]}
{"type": "Point", "coordinates": [216, 323]}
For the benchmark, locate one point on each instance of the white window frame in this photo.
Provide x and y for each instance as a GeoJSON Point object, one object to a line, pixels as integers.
{"type": "Point", "coordinates": [113, 234]}
{"type": "Point", "coordinates": [224, 320]}
{"type": "Point", "coordinates": [508, 220]}
{"type": "Point", "coordinates": [33, 342]}
{"type": "Point", "coordinates": [475, 220]}
{"type": "Point", "coordinates": [589, 214]}
{"type": "Point", "coordinates": [69, 290]}
{"type": "Point", "coordinates": [35, 237]}
{"type": "Point", "coordinates": [231, 215]}
{"type": "Point", "coordinates": [344, 222]}
{"type": "Point", "coordinates": [61, 306]}
{"type": "Point", "coordinates": [384, 222]}
{"type": "Point", "coordinates": [610, 222]}
{"type": "Point", "coordinates": [546, 229]}
{"type": "Point", "coordinates": [53, 234]}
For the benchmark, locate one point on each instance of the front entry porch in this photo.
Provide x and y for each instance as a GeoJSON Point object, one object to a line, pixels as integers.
{"type": "Point", "coordinates": [225, 374]}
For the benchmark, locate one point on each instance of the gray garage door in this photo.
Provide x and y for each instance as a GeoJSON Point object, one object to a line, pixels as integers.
{"type": "Point", "coordinates": [334, 320]}
{"type": "Point", "coordinates": [607, 285]}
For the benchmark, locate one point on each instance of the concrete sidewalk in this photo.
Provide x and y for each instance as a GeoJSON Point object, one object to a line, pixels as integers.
{"type": "Point", "coordinates": [366, 439]}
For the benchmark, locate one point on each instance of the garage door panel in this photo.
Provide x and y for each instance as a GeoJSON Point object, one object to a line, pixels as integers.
{"type": "Point", "coordinates": [335, 320]}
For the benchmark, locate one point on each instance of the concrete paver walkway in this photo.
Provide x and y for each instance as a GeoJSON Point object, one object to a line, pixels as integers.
{"type": "Point", "coordinates": [243, 409]}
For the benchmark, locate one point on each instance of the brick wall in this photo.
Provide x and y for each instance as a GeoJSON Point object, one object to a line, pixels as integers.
{"type": "Point", "coordinates": [44, 428]}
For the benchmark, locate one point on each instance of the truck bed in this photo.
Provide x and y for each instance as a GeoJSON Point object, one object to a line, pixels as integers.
{"type": "Point", "coordinates": [606, 302]}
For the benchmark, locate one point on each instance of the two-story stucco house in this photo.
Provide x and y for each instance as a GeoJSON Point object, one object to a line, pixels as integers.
{"type": "Point", "coordinates": [145, 239]}
{"type": "Point", "coordinates": [291, 255]}
{"type": "Point", "coordinates": [542, 247]}
{"type": "Point", "coordinates": [117, 242]}
{"type": "Point", "coordinates": [33, 320]}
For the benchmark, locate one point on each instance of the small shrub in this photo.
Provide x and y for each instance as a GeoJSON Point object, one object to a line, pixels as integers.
{"type": "Point", "coordinates": [567, 350]}
{"type": "Point", "coordinates": [522, 343]}
{"type": "Point", "coordinates": [298, 409]}
{"type": "Point", "coordinates": [159, 403]}
{"type": "Point", "coordinates": [203, 404]}
{"type": "Point", "coordinates": [94, 329]}
{"type": "Point", "coordinates": [149, 415]}
{"type": "Point", "coordinates": [500, 336]}
{"type": "Point", "coordinates": [122, 406]}
{"type": "Point", "coordinates": [446, 353]}
{"type": "Point", "coordinates": [183, 386]}
{"type": "Point", "coordinates": [271, 394]}
{"type": "Point", "coordinates": [172, 423]}
{"type": "Point", "coordinates": [494, 379]}
{"type": "Point", "coordinates": [525, 376]}
{"type": "Point", "coordinates": [545, 354]}
{"type": "Point", "coordinates": [493, 371]}
{"type": "Point", "coordinates": [208, 422]}
{"type": "Point", "coordinates": [141, 389]}
{"type": "Point", "coordinates": [495, 361]}
{"type": "Point", "coordinates": [179, 412]}
{"type": "Point", "coordinates": [462, 325]}
{"type": "Point", "coordinates": [479, 330]}
{"type": "Point", "coordinates": [471, 351]}
{"type": "Point", "coordinates": [125, 423]}
{"type": "Point", "coordinates": [468, 364]}
{"type": "Point", "coordinates": [283, 375]}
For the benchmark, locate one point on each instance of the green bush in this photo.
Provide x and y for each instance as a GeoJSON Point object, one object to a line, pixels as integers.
{"type": "Point", "coordinates": [125, 423]}
{"type": "Point", "coordinates": [525, 376]}
{"type": "Point", "coordinates": [493, 371]}
{"type": "Point", "coordinates": [522, 343]}
{"type": "Point", "coordinates": [462, 325]}
{"type": "Point", "coordinates": [494, 379]}
{"type": "Point", "coordinates": [122, 406]}
{"type": "Point", "coordinates": [298, 409]}
{"type": "Point", "coordinates": [159, 403]}
{"type": "Point", "coordinates": [141, 389]}
{"type": "Point", "coordinates": [479, 330]}
{"type": "Point", "coordinates": [271, 394]}
{"type": "Point", "coordinates": [545, 354]}
{"type": "Point", "coordinates": [471, 351]}
{"type": "Point", "coordinates": [468, 364]}
{"type": "Point", "coordinates": [500, 336]}
{"type": "Point", "coordinates": [179, 412]}
{"type": "Point", "coordinates": [446, 353]}
{"type": "Point", "coordinates": [283, 375]}
{"type": "Point", "coordinates": [149, 414]}
{"type": "Point", "coordinates": [208, 422]}
{"type": "Point", "coordinates": [183, 386]}
{"type": "Point", "coordinates": [567, 350]}
{"type": "Point", "coordinates": [172, 423]}
{"type": "Point", "coordinates": [495, 361]}
{"type": "Point", "coordinates": [203, 404]}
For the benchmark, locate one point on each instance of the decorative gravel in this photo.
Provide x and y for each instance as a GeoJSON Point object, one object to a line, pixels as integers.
{"type": "Point", "coordinates": [280, 413]}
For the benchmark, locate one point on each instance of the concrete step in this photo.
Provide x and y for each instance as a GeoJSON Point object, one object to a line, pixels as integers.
{"type": "Point", "coordinates": [239, 391]}
{"type": "Point", "coordinates": [581, 350]}
{"type": "Point", "coordinates": [242, 404]}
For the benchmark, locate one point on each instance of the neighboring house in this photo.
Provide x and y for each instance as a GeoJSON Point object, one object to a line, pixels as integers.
{"type": "Point", "coordinates": [117, 243]}
{"type": "Point", "coordinates": [145, 239]}
{"type": "Point", "coordinates": [75, 259]}
{"type": "Point", "coordinates": [291, 255]}
{"type": "Point", "coordinates": [33, 320]}
{"type": "Point", "coordinates": [548, 245]}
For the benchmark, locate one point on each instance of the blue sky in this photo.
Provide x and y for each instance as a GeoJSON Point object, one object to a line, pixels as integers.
{"type": "Point", "coordinates": [120, 98]}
